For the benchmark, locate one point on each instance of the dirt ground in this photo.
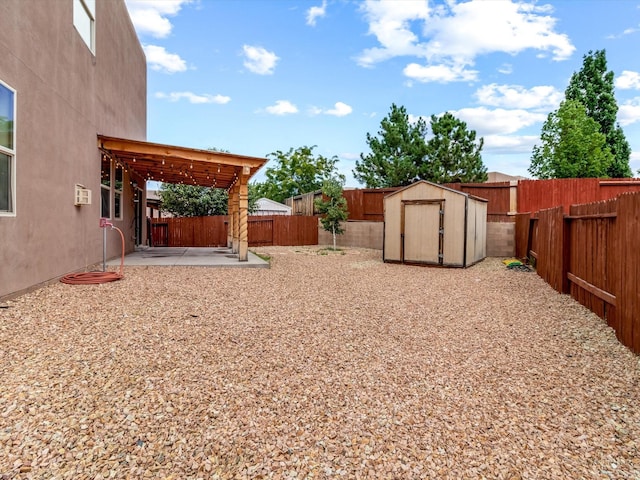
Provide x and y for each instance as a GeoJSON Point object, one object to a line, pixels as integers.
{"type": "Point", "coordinates": [323, 366]}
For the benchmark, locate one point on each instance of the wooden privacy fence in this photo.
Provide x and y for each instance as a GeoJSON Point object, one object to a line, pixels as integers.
{"type": "Point", "coordinates": [362, 203]}
{"type": "Point", "coordinates": [505, 199]}
{"type": "Point", "coordinates": [212, 231]}
{"type": "Point", "coordinates": [535, 195]}
{"type": "Point", "coordinates": [593, 253]}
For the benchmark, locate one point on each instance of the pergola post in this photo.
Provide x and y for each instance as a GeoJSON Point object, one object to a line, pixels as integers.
{"type": "Point", "coordinates": [235, 214]}
{"type": "Point", "coordinates": [243, 251]}
{"type": "Point", "coordinates": [230, 222]}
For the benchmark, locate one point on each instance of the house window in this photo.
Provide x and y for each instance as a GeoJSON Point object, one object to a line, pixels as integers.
{"type": "Point", "coordinates": [84, 19]}
{"type": "Point", "coordinates": [117, 193]}
{"type": "Point", "coordinates": [7, 150]}
{"type": "Point", "coordinates": [105, 188]}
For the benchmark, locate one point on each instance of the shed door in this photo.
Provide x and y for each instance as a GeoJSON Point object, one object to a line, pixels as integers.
{"type": "Point", "coordinates": [422, 231]}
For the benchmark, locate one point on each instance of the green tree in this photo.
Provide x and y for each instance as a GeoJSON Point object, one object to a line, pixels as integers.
{"type": "Point", "coordinates": [453, 153]}
{"type": "Point", "coordinates": [333, 209]}
{"type": "Point", "coordinates": [572, 145]}
{"type": "Point", "coordinates": [396, 153]}
{"type": "Point", "coordinates": [593, 87]}
{"type": "Point", "coordinates": [296, 172]}
{"type": "Point", "coordinates": [192, 200]}
{"type": "Point", "coordinates": [195, 201]}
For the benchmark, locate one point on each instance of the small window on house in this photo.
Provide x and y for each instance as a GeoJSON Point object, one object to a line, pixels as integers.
{"type": "Point", "coordinates": [84, 19]}
{"type": "Point", "coordinates": [7, 150]}
{"type": "Point", "coordinates": [105, 188]}
{"type": "Point", "coordinates": [117, 194]}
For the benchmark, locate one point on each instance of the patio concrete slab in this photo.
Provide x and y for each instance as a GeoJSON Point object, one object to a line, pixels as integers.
{"type": "Point", "coordinates": [189, 256]}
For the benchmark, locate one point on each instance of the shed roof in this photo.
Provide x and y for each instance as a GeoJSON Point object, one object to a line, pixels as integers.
{"type": "Point", "coordinates": [173, 164]}
{"type": "Point", "coordinates": [438, 186]}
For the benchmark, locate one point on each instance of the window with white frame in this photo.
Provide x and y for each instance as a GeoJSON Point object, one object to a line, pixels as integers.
{"type": "Point", "coordinates": [111, 186]}
{"type": "Point", "coordinates": [7, 150]}
{"type": "Point", "coordinates": [105, 188]}
{"type": "Point", "coordinates": [84, 19]}
{"type": "Point", "coordinates": [117, 192]}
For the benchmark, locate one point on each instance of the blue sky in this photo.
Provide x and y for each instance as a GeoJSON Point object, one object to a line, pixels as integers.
{"type": "Point", "coordinates": [256, 76]}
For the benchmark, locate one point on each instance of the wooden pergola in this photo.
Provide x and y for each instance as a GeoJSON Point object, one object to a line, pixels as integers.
{"type": "Point", "coordinates": [190, 166]}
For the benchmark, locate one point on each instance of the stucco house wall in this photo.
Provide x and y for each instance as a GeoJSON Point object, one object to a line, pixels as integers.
{"type": "Point", "coordinates": [65, 96]}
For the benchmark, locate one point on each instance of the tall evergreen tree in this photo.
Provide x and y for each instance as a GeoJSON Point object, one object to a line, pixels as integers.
{"type": "Point", "coordinates": [453, 153]}
{"type": "Point", "coordinates": [593, 87]}
{"type": "Point", "coordinates": [396, 153]}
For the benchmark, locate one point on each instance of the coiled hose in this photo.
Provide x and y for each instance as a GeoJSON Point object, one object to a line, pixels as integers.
{"type": "Point", "coordinates": [91, 278]}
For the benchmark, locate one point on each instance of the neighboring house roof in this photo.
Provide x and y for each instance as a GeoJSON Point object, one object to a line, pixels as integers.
{"type": "Point", "coordinates": [153, 195]}
{"type": "Point", "coordinates": [271, 205]}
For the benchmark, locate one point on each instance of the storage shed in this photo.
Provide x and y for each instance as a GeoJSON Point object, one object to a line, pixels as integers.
{"type": "Point", "coordinates": [429, 224]}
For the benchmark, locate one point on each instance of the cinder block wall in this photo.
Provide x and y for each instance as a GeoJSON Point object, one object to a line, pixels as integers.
{"type": "Point", "coordinates": [357, 234]}
{"type": "Point", "coordinates": [501, 239]}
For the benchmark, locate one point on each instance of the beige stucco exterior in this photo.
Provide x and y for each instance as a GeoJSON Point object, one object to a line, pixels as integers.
{"type": "Point", "coordinates": [65, 97]}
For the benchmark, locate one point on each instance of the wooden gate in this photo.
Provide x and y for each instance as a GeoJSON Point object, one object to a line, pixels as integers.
{"type": "Point", "coordinates": [261, 232]}
{"type": "Point", "coordinates": [421, 231]}
{"type": "Point", "coordinates": [160, 234]}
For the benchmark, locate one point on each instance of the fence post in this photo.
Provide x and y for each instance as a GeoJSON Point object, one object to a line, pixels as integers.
{"type": "Point", "coordinates": [566, 253]}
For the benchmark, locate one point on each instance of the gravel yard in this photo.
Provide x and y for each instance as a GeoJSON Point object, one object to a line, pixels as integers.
{"type": "Point", "coordinates": [324, 366]}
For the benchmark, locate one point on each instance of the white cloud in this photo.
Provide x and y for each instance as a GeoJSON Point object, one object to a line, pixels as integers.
{"type": "Point", "coordinates": [506, 69]}
{"type": "Point", "coordinates": [452, 35]}
{"type": "Point", "coordinates": [509, 143]}
{"type": "Point", "coordinates": [479, 27]}
{"type": "Point", "coordinates": [194, 98]}
{"type": "Point", "coordinates": [439, 73]}
{"type": "Point", "coordinates": [259, 60]}
{"type": "Point", "coordinates": [161, 60]}
{"type": "Point", "coordinates": [516, 96]}
{"type": "Point", "coordinates": [350, 156]}
{"type": "Point", "coordinates": [629, 112]}
{"type": "Point", "coordinates": [282, 107]}
{"type": "Point", "coordinates": [498, 121]}
{"type": "Point", "coordinates": [628, 80]}
{"type": "Point", "coordinates": [626, 31]}
{"type": "Point", "coordinates": [390, 23]}
{"type": "Point", "coordinates": [150, 16]}
{"type": "Point", "coordinates": [414, 118]}
{"type": "Point", "coordinates": [316, 12]}
{"type": "Point", "coordinates": [340, 109]}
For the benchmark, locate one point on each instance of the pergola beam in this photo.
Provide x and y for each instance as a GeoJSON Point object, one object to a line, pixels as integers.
{"type": "Point", "coordinates": [173, 164]}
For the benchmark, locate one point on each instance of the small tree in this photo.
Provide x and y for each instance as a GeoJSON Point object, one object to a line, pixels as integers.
{"type": "Point", "coordinates": [333, 209]}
